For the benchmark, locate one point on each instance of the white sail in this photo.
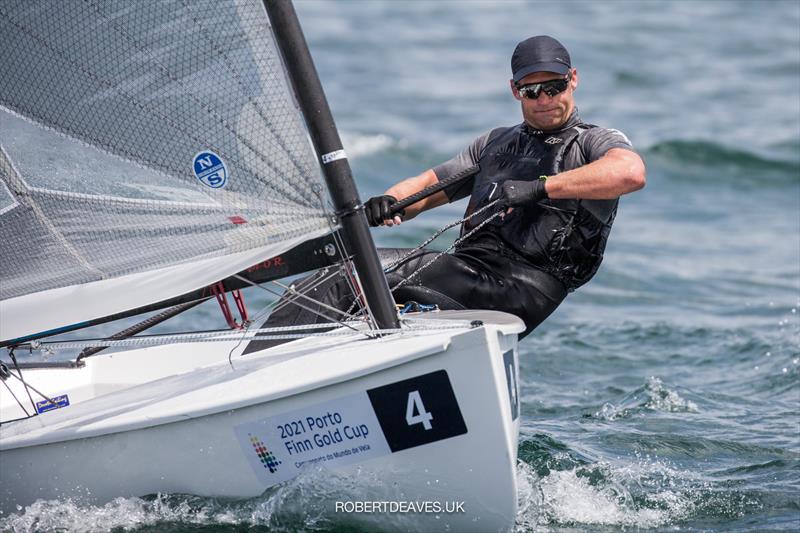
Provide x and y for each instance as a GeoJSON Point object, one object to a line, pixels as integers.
{"type": "Point", "coordinates": [141, 137]}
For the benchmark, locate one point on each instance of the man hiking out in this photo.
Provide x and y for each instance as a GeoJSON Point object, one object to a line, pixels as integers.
{"type": "Point", "coordinates": [555, 182]}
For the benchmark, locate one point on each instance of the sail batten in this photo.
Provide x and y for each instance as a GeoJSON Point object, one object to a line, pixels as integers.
{"type": "Point", "coordinates": [136, 137]}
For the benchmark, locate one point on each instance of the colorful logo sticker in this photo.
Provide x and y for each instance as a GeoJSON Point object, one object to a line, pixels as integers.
{"type": "Point", "coordinates": [264, 455]}
{"type": "Point", "coordinates": [210, 169]}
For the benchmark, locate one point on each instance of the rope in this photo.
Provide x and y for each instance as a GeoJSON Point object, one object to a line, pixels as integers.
{"type": "Point", "coordinates": [449, 248]}
{"type": "Point", "coordinates": [285, 332]}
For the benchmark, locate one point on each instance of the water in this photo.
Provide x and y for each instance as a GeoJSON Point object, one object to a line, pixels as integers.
{"type": "Point", "coordinates": [663, 396]}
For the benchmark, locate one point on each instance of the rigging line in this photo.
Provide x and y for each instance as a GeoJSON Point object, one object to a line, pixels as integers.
{"type": "Point", "coordinates": [19, 371]}
{"type": "Point", "coordinates": [439, 234]}
{"type": "Point", "coordinates": [143, 325]}
{"type": "Point", "coordinates": [314, 311]}
{"type": "Point", "coordinates": [222, 334]}
{"type": "Point", "coordinates": [349, 267]}
{"type": "Point", "coordinates": [264, 334]}
{"type": "Point", "coordinates": [455, 243]}
{"type": "Point", "coordinates": [305, 285]}
{"type": "Point", "coordinates": [347, 264]}
{"type": "Point", "coordinates": [34, 389]}
{"type": "Point", "coordinates": [311, 283]}
{"type": "Point", "coordinates": [301, 295]}
{"type": "Point", "coordinates": [345, 273]}
{"type": "Point", "coordinates": [297, 296]}
{"type": "Point", "coordinates": [230, 353]}
{"type": "Point", "coordinates": [431, 239]}
{"type": "Point", "coordinates": [27, 414]}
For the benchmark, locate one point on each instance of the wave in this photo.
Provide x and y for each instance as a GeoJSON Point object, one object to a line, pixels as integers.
{"type": "Point", "coordinates": [653, 396]}
{"type": "Point", "coordinates": [688, 157]}
{"type": "Point", "coordinates": [362, 145]}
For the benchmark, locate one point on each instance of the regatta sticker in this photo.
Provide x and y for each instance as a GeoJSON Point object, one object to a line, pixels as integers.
{"type": "Point", "coordinates": [57, 403]}
{"type": "Point", "coordinates": [210, 169]}
{"type": "Point", "coordinates": [352, 428]}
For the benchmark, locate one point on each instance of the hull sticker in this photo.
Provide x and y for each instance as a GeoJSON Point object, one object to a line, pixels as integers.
{"type": "Point", "coordinates": [352, 428]}
{"type": "Point", "coordinates": [511, 382]}
{"type": "Point", "coordinates": [57, 403]}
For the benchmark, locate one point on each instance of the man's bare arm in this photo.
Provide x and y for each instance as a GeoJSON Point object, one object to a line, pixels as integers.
{"type": "Point", "coordinates": [618, 172]}
{"type": "Point", "coordinates": [413, 185]}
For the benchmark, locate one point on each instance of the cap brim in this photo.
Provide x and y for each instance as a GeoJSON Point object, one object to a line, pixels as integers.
{"type": "Point", "coordinates": [554, 66]}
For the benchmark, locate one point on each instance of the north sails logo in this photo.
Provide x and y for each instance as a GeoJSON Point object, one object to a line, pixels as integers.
{"type": "Point", "coordinates": [264, 455]}
{"type": "Point", "coordinates": [553, 140]}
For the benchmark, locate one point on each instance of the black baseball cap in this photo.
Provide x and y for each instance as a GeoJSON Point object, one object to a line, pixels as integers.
{"type": "Point", "coordinates": [539, 54]}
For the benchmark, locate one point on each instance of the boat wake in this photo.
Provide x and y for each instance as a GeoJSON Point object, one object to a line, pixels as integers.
{"type": "Point", "coordinates": [306, 503]}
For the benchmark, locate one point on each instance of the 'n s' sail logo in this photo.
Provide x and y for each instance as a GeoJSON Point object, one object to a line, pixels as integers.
{"type": "Point", "coordinates": [210, 169]}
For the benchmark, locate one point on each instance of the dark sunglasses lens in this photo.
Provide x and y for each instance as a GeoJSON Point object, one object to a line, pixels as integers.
{"type": "Point", "coordinates": [531, 92]}
{"type": "Point", "coordinates": [551, 88]}
{"type": "Point", "coordinates": [555, 87]}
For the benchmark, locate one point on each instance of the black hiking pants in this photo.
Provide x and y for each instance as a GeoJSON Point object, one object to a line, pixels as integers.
{"type": "Point", "coordinates": [475, 276]}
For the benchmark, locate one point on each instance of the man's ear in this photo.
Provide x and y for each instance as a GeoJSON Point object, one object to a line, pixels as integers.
{"type": "Point", "coordinates": [514, 90]}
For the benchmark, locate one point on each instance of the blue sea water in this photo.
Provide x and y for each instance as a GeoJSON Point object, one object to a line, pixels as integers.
{"type": "Point", "coordinates": [665, 394]}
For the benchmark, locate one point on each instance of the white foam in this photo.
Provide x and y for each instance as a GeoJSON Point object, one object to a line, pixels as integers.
{"type": "Point", "coordinates": [654, 396]}
{"type": "Point", "coordinates": [126, 513]}
{"type": "Point", "coordinates": [573, 497]}
{"type": "Point", "coordinates": [664, 399]}
{"type": "Point", "coordinates": [358, 145]}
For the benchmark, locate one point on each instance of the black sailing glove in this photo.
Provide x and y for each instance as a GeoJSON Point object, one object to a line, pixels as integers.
{"type": "Point", "coordinates": [377, 209]}
{"type": "Point", "coordinates": [518, 193]}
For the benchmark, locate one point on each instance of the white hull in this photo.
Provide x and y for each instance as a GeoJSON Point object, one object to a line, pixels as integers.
{"type": "Point", "coordinates": [189, 433]}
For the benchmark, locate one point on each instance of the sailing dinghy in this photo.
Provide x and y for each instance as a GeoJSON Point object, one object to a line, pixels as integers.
{"type": "Point", "coordinates": [154, 155]}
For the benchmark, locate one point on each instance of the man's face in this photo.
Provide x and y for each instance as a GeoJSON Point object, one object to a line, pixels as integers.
{"type": "Point", "coordinates": [547, 112]}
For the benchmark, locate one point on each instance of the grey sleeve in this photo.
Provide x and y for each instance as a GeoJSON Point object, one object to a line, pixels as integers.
{"type": "Point", "coordinates": [468, 157]}
{"type": "Point", "coordinates": [597, 141]}
{"type": "Point", "coordinates": [594, 144]}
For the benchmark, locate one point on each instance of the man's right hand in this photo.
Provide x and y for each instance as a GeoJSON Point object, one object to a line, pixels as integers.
{"type": "Point", "coordinates": [515, 193]}
{"type": "Point", "coordinates": [377, 210]}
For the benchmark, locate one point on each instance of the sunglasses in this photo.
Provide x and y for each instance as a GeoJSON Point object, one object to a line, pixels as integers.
{"type": "Point", "coordinates": [531, 91]}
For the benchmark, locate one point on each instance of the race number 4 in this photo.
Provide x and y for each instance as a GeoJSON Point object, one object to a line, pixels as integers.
{"type": "Point", "coordinates": [417, 411]}
{"type": "Point", "coordinates": [422, 417]}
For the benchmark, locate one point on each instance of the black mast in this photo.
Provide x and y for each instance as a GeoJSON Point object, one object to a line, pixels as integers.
{"type": "Point", "coordinates": [339, 177]}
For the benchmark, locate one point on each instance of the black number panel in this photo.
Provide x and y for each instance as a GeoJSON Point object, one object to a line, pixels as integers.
{"type": "Point", "coordinates": [417, 411]}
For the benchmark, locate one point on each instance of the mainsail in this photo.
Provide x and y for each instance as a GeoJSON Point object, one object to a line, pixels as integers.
{"type": "Point", "coordinates": [146, 149]}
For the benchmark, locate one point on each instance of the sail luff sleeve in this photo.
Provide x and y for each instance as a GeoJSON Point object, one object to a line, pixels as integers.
{"type": "Point", "coordinates": [336, 168]}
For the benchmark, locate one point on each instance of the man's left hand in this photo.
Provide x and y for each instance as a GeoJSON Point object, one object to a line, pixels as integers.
{"type": "Point", "coordinates": [516, 193]}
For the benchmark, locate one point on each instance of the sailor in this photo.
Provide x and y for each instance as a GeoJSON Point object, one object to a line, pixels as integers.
{"type": "Point", "coordinates": [558, 180]}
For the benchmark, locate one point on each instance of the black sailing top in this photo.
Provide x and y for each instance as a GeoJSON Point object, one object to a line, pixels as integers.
{"type": "Point", "coordinates": [565, 238]}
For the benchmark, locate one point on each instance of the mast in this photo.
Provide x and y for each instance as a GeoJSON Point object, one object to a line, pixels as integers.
{"type": "Point", "coordinates": [335, 167]}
